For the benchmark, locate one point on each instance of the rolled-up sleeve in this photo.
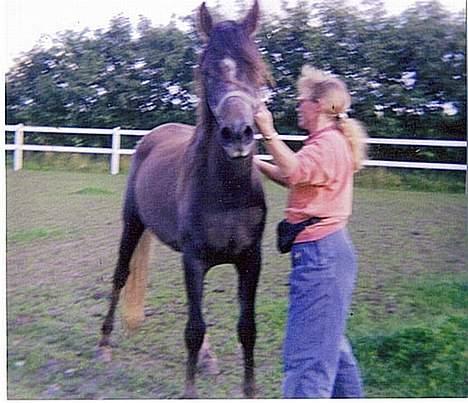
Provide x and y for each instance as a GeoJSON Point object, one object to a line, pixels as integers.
{"type": "Point", "coordinates": [316, 165]}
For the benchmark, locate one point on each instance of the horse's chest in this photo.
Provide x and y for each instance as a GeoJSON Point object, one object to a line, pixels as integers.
{"type": "Point", "coordinates": [233, 231]}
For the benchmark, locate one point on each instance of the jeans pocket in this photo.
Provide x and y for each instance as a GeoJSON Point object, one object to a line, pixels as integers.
{"type": "Point", "coordinates": [324, 255]}
{"type": "Point", "coordinates": [311, 260]}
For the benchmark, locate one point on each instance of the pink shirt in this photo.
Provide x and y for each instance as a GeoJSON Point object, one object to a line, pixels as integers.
{"type": "Point", "coordinates": [322, 184]}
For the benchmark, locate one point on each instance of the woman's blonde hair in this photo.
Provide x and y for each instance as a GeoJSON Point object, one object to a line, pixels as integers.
{"type": "Point", "coordinates": [335, 100]}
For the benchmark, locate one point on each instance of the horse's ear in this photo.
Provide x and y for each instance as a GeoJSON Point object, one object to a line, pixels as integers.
{"type": "Point", "coordinates": [205, 21]}
{"type": "Point", "coordinates": [251, 20]}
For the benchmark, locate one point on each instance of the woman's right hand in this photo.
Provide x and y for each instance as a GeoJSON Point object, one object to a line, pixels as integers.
{"type": "Point", "coordinates": [257, 160]}
{"type": "Point", "coordinates": [264, 121]}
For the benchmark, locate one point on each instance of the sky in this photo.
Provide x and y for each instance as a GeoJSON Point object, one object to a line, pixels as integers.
{"type": "Point", "coordinates": [28, 21]}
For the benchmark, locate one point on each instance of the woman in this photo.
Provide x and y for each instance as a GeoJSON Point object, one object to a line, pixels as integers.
{"type": "Point", "coordinates": [318, 361]}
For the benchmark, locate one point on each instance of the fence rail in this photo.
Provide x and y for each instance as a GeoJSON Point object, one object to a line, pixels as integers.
{"type": "Point", "coordinates": [115, 151]}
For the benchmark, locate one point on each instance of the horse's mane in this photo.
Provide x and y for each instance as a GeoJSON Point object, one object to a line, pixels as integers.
{"type": "Point", "coordinates": [228, 39]}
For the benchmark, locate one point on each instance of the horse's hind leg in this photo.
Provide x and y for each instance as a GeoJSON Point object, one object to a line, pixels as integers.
{"type": "Point", "coordinates": [133, 229]}
{"type": "Point", "coordinates": [249, 271]}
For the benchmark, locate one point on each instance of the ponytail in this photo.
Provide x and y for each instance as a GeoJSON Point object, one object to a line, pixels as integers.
{"type": "Point", "coordinates": [356, 133]}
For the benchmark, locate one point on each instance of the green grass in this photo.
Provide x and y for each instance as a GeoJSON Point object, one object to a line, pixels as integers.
{"type": "Point", "coordinates": [408, 325]}
{"type": "Point", "coordinates": [371, 177]}
{"type": "Point", "coordinates": [93, 191]}
{"type": "Point", "coordinates": [76, 162]}
{"type": "Point", "coordinates": [34, 234]}
{"type": "Point", "coordinates": [411, 180]}
{"type": "Point", "coordinates": [428, 360]}
{"type": "Point", "coordinates": [422, 354]}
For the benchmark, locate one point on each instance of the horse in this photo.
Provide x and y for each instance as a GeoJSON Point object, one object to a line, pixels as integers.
{"type": "Point", "coordinates": [198, 190]}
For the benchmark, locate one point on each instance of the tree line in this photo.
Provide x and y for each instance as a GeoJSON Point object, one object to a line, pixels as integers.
{"type": "Point", "coordinates": [406, 73]}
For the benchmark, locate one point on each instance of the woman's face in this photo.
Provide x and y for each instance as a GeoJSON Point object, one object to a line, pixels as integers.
{"type": "Point", "coordinates": [307, 113]}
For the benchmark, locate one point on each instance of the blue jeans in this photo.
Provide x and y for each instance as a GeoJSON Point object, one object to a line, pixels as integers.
{"type": "Point", "coordinates": [318, 361]}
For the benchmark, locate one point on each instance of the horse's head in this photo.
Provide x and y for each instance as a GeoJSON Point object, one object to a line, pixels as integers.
{"type": "Point", "coordinates": [232, 73]}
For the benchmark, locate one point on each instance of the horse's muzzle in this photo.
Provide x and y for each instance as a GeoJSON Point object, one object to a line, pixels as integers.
{"type": "Point", "coordinates": [237, 139]}
{"type": "Point", "coordinates": [238, 149]}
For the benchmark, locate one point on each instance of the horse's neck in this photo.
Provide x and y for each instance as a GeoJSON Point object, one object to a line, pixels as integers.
{"type": "Point", "coordinates": [211, 165]}
{"type": "Point", "coordinates": [229, 175]}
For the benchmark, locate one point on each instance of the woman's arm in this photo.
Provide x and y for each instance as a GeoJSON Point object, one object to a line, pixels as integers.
{"type": "Point", "coordinates": [270, 171]}
{"type": "Point", "coordinates": [285, 159]}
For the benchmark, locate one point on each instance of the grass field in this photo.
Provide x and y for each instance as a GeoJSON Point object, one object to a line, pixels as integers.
{"type": "Point", "coordinates": [408, 323]}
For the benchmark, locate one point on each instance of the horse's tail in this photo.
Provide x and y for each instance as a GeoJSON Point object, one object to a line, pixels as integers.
{"type": "Point", "coordinates": [133, 294]}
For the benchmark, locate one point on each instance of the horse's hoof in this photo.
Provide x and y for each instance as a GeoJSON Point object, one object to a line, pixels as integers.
{"type": "Point", "coordinates": [104, 354]}
{"type": "Point", "coordinates": [250, 391]}
{"type": "Point", "coordinates": [188, 396]}
{"type": "Point", "coordinates": [190, 393]}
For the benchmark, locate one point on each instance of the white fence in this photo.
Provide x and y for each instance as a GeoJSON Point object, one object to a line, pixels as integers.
{"type": "Point", "coordinates": [115, 151]}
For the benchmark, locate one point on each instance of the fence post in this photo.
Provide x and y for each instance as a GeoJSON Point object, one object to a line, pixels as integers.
{"type": "Point", "coordinates": [466, 175]}
{"type": "Point", "coordinates": [115, 157]}
{"type": "Point", "coordinates": [18, 154]}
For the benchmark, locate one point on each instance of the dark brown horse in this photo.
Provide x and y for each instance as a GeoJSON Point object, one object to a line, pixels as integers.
{"type": "Point", "coordinates": [197, 190]}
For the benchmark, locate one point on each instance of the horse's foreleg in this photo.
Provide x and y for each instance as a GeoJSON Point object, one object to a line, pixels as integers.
{"type": "Point", "coordinates": [133, 229]}
{"type": "Point", "coordinates": [249, 272]}
{"type": "Point", "coordinates": [195, 329]}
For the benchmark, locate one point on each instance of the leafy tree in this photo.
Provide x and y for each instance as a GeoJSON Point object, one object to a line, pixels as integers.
{"type": "Point", "coordinates": [407, 73]}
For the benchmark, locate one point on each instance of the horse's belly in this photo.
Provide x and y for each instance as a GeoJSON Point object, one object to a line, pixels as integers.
{"type": "Point", "coordinates": [156, 205]}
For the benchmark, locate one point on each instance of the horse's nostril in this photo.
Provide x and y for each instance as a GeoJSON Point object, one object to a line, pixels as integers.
{"type": "Point", "coordinates": [248, 132]}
